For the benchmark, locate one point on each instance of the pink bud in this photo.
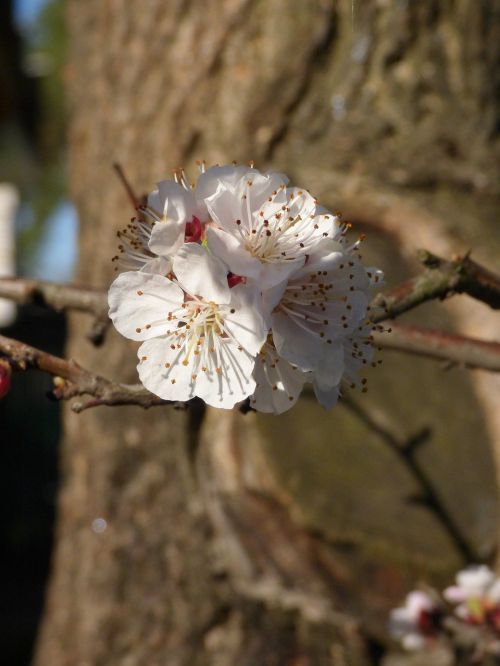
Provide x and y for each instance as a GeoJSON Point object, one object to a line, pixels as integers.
{"type": "Point", "coordinates": [193, 231]}
{"type": "Point", "coordinates": [5, 373]}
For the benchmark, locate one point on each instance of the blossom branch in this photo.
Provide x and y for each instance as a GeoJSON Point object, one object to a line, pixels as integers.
{"type": "Point", "coordinates": [441, 279]}
{"type": "Point", "coordinates": [60, 297]}
{"type": "Point", "coordinates": [71, 380]}
{"type": "Point", "coordinates": [456, 349]}
{"type": "Point", "coordinates": [406, 451]}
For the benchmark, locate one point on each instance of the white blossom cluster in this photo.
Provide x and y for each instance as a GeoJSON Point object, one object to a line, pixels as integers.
{"type": "Point", "coordinates": [473, 603]}
{"type": "Point", "coordinates": [240, 286]}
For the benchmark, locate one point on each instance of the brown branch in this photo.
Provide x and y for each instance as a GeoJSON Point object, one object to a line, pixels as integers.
{"type": "Point", "coordinates": [459, 349]}
{"type": "Point", "coordinates": [60, 297]}
{"type": "Point", "coordinates": [54, 295]}
{"type": "Point", "coordinates": [441, 279]}
{"type": "Point", "coordinates": [406, 450]}
{"type": "Point", "coordinates": [133, 198]}
{"type": "Point", "coordinates": [72, 380]}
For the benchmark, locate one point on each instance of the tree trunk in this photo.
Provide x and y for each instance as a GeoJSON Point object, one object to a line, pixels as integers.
{"type": "Point", "coordinates": [181, 539]}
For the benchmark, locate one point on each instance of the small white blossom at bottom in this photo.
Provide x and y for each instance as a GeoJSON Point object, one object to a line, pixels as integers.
{"type": "Point", "coordinates": [477, 593]}
{"type": "Point", "coordinates": [278, 382]}
{"type": "Point", "coordinates": [415, 622]}
{"type": "Point", "coordinates": [473, 582]}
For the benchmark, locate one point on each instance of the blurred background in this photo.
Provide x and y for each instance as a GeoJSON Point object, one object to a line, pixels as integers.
{"type": "Point", "coordinates": [38, 238]}
{"type": "Point", "coordinates": [339, 474]}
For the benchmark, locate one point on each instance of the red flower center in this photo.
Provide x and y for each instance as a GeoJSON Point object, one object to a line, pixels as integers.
{"type": "Point", "coordinates": [193, 231]}
{"type": "Point", "coordinates": [233, 279]}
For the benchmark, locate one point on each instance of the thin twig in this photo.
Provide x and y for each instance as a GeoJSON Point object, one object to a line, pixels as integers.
{"type": "Point", "coordinates": [57, 296]}
{"type": "Point", "coordinates": [456, 349]}
{"type": "Point", "coordinates": [61, 297]}
{"type": "Point", "coordinates": [406, 450]}
{"type": "Point", "coordinates": [133, 198]}
{"type": "Point", "coordinates": [441, 279]}
{"type": "Point", "coordinates": [72, 380]}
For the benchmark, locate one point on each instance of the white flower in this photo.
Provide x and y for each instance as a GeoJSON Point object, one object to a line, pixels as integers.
{"type": "Point", "coordinates": [278, 382]}
{"type": "Point", "coordinates": [200, 337]}
{"type": "Point", "coordinates": [262, 230]}
{"type": "Point", "coordinates": [412, 623]}
{"type": "Point", "coordinates": [477, 593]}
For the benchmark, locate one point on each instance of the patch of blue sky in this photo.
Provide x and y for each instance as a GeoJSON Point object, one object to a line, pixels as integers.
{"type": "Point", "coordinates": [26, 12]}
{"type": "Point", "coordinates": [57, 252]}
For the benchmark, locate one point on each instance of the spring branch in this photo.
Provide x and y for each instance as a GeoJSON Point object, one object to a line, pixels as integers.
{"type": "Point", "coordinates": [441, 279]}
{"type": "Point", "coordinates": [61, 297]}
{"type": "Point", "coordinates": [406, 450]}
{"type": "Point", "coordinates": [456, 349]}
{"type": "Point", "coordinates": [72, 380]}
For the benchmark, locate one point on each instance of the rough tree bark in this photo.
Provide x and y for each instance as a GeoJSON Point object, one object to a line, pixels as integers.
{"type": "Point", "coordinates": [389, 115]}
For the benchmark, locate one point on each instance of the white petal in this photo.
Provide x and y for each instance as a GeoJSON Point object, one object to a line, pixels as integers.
{"type": "Point", "coordinates": [400, 622]}
{"type": "Point", "coordinates": [329, 372]}
{"type": "Point", "coordinates": [157, 265]}
{"type": "Point", "coordinates": [228, 248]}
{"type": "Point", "coordinates": [201, 274]}
{"type": "Point", "coordinates": [301, 203]}
{"type": "Point", "coordinates": [270, 299]}
{"type": "Point", "coordinates": [235, 381]}
{"type": "Point", "coordinates": [177, 206]}
{"type": "Point", "coordinates": [278, 383]}
{"type": "Point", "coordinates": [327, 397]}
{"type": "Point", "coordinates": [179, 203]}
{"type": "Point", "coordinates": [476, 579]}
{"type": "Point", "coordinates": [139, 304]}
{"type": "Point", "coordinates": [300, 343]}
{"type": "Point", "coordinates": [244, 320]}
{"type": "Point", "coordinates": [161, 371]}
{"type": "Point", "coordinates": [217, 177]}
{"type": "Point", "coordinates": [454, 594]}
{"type": "Point", "coordinates": [418, 601]}
{"type": "Point", "coordinates": [273, 273]}
{"type": "Point", "coordinates": [167, 237]}
{"type": "Point", "coordinates": [413, 641]}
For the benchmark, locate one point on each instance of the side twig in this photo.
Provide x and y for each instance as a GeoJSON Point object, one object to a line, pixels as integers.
{"type": "Point", "coordinates": [450, 347]}
{"type": "Point", "coordinates": [60, 297]}
{"type": "Point", "coordinates": [441, 279]}
{"type": "Point", "coordinates": [72, 380]}
{"type": "Point", "coordinates": [406, 451]}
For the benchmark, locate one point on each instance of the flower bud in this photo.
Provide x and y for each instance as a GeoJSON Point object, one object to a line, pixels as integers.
{"type": "Point", "coordinates": [5, 373]}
